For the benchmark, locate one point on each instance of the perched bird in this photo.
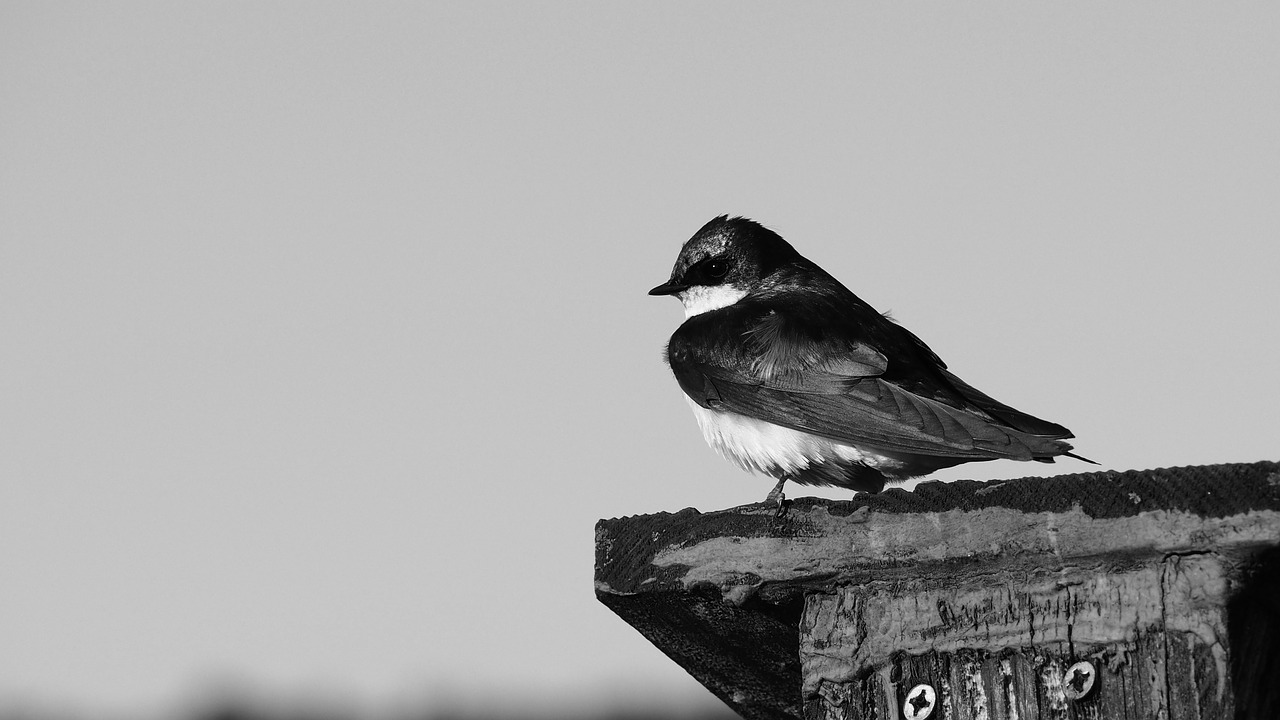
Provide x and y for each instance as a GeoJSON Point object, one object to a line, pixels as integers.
{"type": "Point", "coordinates": [792, 375]}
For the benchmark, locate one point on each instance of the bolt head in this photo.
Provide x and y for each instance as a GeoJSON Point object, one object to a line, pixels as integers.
{"type": "Point", "coordinates": [920, 702]}
{"type": "Point", "coordinates": [1079, 680]}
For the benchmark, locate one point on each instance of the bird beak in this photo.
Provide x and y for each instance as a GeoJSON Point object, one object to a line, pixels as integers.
{"type": "Point", "coordinates": [669, 288]}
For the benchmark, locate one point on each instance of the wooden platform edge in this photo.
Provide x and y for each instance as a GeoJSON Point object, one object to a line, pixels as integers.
{"type": "Point", "coordinates": [723, 593]}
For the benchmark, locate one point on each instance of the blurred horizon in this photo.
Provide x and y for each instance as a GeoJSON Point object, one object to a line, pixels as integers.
{"type": "Point", "coordinates": [318, 707]}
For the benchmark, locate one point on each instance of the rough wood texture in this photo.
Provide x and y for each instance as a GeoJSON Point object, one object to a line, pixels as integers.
{"type": "Point", "coordinates": [1166, 580]}
{"type": "Point", "coordinates": [1156, 636]}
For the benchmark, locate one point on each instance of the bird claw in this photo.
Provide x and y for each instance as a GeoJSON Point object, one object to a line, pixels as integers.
{"type": "Point", "coordinates": [783, 505]}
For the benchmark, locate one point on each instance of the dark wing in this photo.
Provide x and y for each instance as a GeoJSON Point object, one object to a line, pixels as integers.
{"type": "Point", "coordinates": [1013, 418]}
{"type": "Point", "coordinates": [854, 377]}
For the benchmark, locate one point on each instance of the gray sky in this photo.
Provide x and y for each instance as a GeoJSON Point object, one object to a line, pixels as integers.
{"type": "Point", "coordinates": [325, 331]}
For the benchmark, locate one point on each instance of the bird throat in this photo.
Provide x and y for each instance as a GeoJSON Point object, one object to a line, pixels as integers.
{"type": "Point", "coordinates": [702, 298]}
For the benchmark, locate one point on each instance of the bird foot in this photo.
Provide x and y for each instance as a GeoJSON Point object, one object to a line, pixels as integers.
{"type": "Point", "coordinates": [776, 496]}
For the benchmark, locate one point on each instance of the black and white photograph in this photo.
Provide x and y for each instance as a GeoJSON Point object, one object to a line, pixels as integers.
{"type": "Point", "coordinates": [702, 360]}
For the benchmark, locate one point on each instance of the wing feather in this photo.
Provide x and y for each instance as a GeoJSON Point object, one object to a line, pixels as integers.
{"type": "Point", "coordinates": [753, 361]}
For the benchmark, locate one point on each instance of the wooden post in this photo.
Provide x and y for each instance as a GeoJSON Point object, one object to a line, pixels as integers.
{"type": "Point", "coordinates": [1141, 594]}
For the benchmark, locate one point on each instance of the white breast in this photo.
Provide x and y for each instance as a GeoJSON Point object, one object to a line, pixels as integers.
{"type": "Point", "coordinates": [763, 447]}
{"type": "Point", "coordinates": [701, 298]}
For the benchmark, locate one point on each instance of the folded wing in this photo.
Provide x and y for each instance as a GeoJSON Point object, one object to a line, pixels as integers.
{"type": "Point", "coordinates": [882, 390]}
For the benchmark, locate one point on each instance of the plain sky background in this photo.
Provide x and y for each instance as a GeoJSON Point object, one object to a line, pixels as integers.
{"type": "Point", "coordinates": [325, 339]}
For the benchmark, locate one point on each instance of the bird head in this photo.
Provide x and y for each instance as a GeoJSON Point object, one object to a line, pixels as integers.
{"type": "Point", "coordinates": [725, 261]}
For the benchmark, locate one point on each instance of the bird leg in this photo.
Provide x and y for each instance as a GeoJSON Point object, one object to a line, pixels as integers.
{"type": "Point", "coordinates": [775, 496]}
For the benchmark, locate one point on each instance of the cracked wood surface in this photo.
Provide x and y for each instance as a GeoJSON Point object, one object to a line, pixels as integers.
{"type": "Point", "coordinates": [988, 588]}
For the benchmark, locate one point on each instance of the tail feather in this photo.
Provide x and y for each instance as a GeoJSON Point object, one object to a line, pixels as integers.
{"type": "Point", "coordinates": [1080, 457]}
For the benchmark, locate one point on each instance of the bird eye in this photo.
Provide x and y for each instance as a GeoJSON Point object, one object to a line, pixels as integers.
{"type": "Point", "coordinates": [716, 269]}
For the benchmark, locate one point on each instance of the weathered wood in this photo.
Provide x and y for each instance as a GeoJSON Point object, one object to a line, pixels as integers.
{"type": "Point", "coordinates": [988, 592]}
{"type": "Point", "coordinates": [1166, 622]}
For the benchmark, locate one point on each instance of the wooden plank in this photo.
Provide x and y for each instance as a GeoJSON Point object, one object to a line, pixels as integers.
{"type": "Point", "coordinates": [1019, 676]}
{"type": "Point", "coordinates": [990, 590]}
{"type": "Point", "coordinates": [1195, 601]}
{"type": "Point", "coordinates": [857, 628]}
{"type": "Point", "coordinates": [1253, 623]}
{"type": "Point", "coordinates": [1154, 634]}
{"type": "Point", "coordinates": [754, 668]}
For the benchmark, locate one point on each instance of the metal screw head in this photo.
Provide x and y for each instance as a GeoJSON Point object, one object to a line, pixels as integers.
{"type": "Point", "coordinates": [1078, 680]}
{"type": "Point", "coordinates": [920, 702]}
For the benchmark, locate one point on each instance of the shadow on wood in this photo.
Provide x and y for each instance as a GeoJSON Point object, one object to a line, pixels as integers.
{"type": "Point", "coordinates": [1162, 584]}
{"type": "Point", "coordinates": [1253, 624]}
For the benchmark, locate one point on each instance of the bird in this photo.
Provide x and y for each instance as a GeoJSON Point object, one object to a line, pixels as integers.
{"type": "Point", "coordinates": [793, 376]}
